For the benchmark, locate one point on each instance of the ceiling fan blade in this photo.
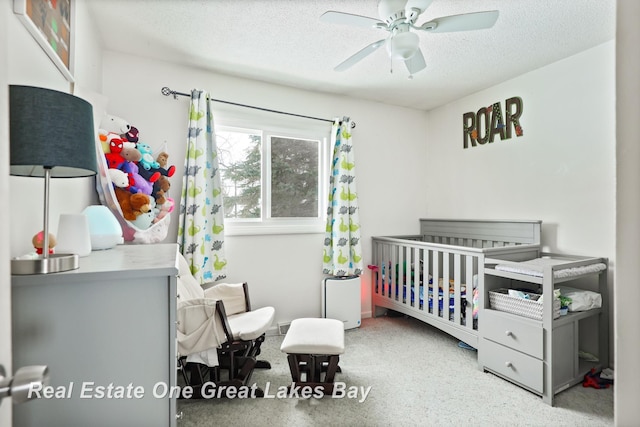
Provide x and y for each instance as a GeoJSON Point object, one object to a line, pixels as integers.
{"type": "Point", "coordinates": [360, 55]}
{"type": "Point", "coordinates": [422, 5]}
{"type": "Point", "coordinates": [464, 22]}
{"type": "Point", "coordinates": [350, 19]}
{"type": "Point", "coordinates": [415, 63]}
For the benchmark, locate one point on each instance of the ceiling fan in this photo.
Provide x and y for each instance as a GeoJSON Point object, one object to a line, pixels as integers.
{"type": "Point", "coordinates": [398, 18]}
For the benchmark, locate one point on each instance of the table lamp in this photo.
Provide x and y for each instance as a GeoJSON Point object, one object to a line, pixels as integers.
{"type": "Point", "coordinates": [51, 136]}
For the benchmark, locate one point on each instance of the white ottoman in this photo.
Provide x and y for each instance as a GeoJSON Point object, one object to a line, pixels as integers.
{"type": "Point", "coordinates": [313, 348]}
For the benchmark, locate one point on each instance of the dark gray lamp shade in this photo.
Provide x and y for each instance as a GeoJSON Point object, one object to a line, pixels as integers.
{"type": "Point", "coordinates": [50, 129]}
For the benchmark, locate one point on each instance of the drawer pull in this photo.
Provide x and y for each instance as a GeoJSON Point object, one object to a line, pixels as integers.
{"type": "Point", "coordinates": [508, 333]}
{"type": "Point", "coordinates": [508, 364]}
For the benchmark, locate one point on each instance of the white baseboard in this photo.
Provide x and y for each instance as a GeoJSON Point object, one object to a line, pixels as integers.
{"type": "Point", "coordinates": [282, 327]}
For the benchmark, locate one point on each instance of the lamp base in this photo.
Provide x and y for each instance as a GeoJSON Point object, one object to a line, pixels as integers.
{"type": "Point", "coordinates": [54, 263]}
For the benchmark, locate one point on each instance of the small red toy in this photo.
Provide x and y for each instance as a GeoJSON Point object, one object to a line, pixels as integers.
{"type": "Point", "coordinates": [592, 379]}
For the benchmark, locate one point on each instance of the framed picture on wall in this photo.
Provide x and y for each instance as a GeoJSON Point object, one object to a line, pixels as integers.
{"type": "Point", "coordinates": [51, 23]}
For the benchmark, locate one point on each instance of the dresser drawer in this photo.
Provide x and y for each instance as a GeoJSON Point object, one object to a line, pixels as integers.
{"type": "Point", "coordinates": [512, 331]}
{"type": "Point", "coordinates": [516, 366]}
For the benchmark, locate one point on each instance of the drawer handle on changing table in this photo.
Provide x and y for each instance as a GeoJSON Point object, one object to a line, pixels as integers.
{"type": "Point", "coordinates": [508, 364]}
{"type": "Point", "coordinates": [508, 333]}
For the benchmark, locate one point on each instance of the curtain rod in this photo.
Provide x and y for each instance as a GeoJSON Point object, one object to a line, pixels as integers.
{"type": "Point", "coordinates": [166, 92]}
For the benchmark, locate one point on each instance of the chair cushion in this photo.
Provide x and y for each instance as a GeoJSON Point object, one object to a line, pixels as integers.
{"type": "Point", "coordinates": [252, 324]}
{"type": "Point", "coordinates": [188, 286]}
{"type": "Point", "coordinates": [314, 336]}
{"type": "Point", "coordinates": [231, 294]}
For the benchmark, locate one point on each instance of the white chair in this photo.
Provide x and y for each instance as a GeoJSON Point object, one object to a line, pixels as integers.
{"type": "Point", "coordinates": [247, 325]}
{"type": "Point", "coordinates": [217, 330]}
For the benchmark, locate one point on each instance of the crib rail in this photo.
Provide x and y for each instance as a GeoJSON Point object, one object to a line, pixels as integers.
{"type": "Point", "coordinates": [432, 282]}
{"type": "Point", "coordinates": [480, 233]}
{"type": "Point", "coordinates": [440, 284]}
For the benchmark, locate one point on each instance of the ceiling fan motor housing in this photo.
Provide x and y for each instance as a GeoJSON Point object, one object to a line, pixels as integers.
{"type": "Point", "coordinates": [391, 10]}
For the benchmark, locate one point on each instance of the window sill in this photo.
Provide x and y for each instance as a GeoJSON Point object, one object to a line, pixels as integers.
{"type": "Point", "coordinates": [269, 229]}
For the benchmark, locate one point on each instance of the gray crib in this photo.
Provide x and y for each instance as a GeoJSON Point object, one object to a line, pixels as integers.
{"type": "Point", "coordinates": [438, 276]}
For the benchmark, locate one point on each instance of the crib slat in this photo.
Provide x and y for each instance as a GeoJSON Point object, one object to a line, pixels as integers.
{"type": "Point", "coordinates": [378, 257]}
{"type": "Point", "coordinates": [393, 276]}
{"type": "Point", "coordinates": [387, 270]}
{"type": "Point", "coordinates": [469, 271]}
{"type": "Point", "coordinates": [415, 277]}
{"type": "Point", "coordinates": [422, 276]}
{"type": "Point", "coordinates": [445, 286]}
{"type": "Point", "coordinates": [457, 290]}
{"type": "Point", "coordinates": [379, 247]}
{"type": "Point", "coordinates": [426, 271]}
{"type": "Point", "coordinates": [436, 274]}
{"type": "Point", "coordinates": [381, 269]}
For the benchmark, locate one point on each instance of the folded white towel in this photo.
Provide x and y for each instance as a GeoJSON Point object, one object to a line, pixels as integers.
{"type": "Point", "coordinates": [581, 300]}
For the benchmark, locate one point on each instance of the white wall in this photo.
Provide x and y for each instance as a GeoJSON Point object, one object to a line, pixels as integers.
{"type": "Point", "coordinates": [5, 278]}
{"type": "Point", "coordinates": [29, 65]}
{"type": "Point", "coordinates": [282, 270]}
{"type": "Point", "coordinates": [561, 171]}
{"type": "Point", "coordinates": [22, 61]}
{"type": "Point", "coordinates": [627, 381]}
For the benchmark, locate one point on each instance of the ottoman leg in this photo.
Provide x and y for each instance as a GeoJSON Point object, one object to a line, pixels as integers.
{"type": "Point", "coordinates": [332, 369]}
{"type": "Point", "coordinates": [294, 367]}
{"type": "Point", "coordinates": [313, 366]}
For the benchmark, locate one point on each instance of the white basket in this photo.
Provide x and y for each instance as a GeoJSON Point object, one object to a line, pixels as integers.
{"type": "Point", "coordinates": [530, 308]}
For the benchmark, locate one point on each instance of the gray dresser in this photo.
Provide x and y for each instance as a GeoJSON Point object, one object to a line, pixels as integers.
{"type": "Point", "coordinates": [107, 333]}
{"type": "Point", "coordinates": [543, 355]}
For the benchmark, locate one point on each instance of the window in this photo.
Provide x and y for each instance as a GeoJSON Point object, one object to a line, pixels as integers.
{"type": "Point", "coordinates": [273, 180]}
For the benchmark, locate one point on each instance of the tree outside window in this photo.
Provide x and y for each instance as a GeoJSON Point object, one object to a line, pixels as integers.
{"type": "Point", "coordinates": [290, 166]}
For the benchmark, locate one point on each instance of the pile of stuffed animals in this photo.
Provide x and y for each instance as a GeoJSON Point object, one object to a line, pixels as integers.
{"type": "Point", "coordinates": [140, 181]}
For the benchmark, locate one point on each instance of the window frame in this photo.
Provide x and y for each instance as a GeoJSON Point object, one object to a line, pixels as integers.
{"type": "Point", "coordinates": [269, 127]}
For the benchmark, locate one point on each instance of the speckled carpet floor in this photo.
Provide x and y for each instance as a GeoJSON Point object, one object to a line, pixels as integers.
{"type": "Point", "coordinates": [418, 376]}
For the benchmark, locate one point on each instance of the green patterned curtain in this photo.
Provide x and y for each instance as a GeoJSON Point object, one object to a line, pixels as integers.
{"type": "Point", "coordinates": [342, 249]}
{"type": "Point", "coordinates": [201, 226]}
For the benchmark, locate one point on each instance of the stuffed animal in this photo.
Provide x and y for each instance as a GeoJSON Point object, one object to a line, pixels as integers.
{"type": "Point", "coordinates": [160, 188]}
{"type": "Point", "coordinates": [115, 142]}
{"type": "Point", "coordinates": [152, 174]}
{"type": "Point", "coordinates": [120, 178]}
{"type": "Point", "coordinates": [140, 185]}
{"type": "Point", "coordinates": [102, 136]}
{"type": "Point", "coordinates": [131, 135]}
{"type": "Point", "coordinates": [144, 221]}
{"type": "Point", "coordinates": [38, 242]}
{"type": "Point", "coordinates": [115, 160]}
{"type": "Point", "coordinates": [147, 160]}
{"type": "Point", "coordinates": [132, 205]}
{"type": "Point", "coordinates": [163, 161]}
{"type": "Point", "coordinates": [164, 209]}
{"type": "Point", "coordinates": [114, 124]}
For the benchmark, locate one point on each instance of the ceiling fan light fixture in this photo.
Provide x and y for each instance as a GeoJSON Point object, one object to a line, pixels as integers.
{"type": "Point", "coordinates": [403, 45]}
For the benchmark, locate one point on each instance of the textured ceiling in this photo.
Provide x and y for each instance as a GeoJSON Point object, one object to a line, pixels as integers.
{"type": "Point", "coordinates": [284, 42]}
